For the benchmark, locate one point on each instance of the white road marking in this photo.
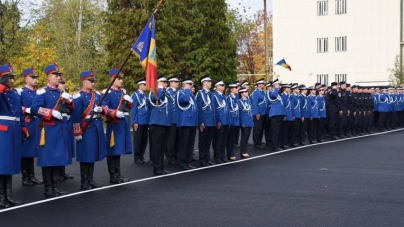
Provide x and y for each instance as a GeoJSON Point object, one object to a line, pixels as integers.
{"type": "Point", "coordinates": [188, 171]}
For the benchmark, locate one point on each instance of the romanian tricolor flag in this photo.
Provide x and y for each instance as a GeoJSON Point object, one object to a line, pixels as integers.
{"type": "Point", "coordinates": [145, 49]}
{"type": "Point", "coordinates": [284, 64]}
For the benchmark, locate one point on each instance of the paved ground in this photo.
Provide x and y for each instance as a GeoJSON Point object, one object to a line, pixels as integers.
{"type": "Point", "coordinates": [356, 182]}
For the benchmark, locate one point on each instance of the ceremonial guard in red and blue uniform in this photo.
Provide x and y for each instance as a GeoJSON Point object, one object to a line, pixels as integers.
{"type": "Point", "coordinates": [90, 143]}
{"type": "Point", "coordinates": [187, 123]}
{"type": "Point", "coordinates": [54, 150]}
{"type": "Point", "coordinates": [12, 128]}
{"type": "Point", "coordinates": [118, 127]}
{"type": "Point", "coordinates": [140, 121]}
{"type": "Point", "coordinates": [30, 146]}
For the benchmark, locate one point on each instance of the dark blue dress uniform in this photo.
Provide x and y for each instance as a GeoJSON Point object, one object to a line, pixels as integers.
{"type": "Point", "coordinates": [140, 116]}
{"type": "Point", "coordinates": [12, 126]}
{"type": "Point", "coordinates": [55, 150]}
{"type": "Point", "coordinates": [323, 116]}
{"type": "Point", "coordinates": [297, 115]}
{"type": "Point", "coordinates": [172, 145]}
{"type": "Point", "coordinates": [30, 146]}
{"type": "Point", "coordinates": [92, 146]}
{"type": "Point", "coordinates": [314, 116]}
{"type": "Point", "coordinates": [186, 125]}
{"type": "Point", "coordinates": [246, 123]}
{"type": "Point", "coordinates": [232, 100]}
{"type": "Point", "coordinates": [259, 103]}
{"type": "Point", "coordinates": [206, 117]}
{"type": "Point", "coordinates": [160, 123]}
{"type": "Point", "coordinates": [220, 134]}
{"type": "Point", "coordinates": [334, 108]}
{"type": "Point", "coordinates": [118, 138]}
{"type": "Point", "coordinates": [276, 114]}
{"type": "Point", "coordinates": [305, 114]}
{"type": "Point", "coordinates": [342, 119]}
{"type": "Point", "coordinates": [286, 127]}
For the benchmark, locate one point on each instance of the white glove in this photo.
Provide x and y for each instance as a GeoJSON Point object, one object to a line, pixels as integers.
{"type": "Point", "coordinates": [78, 138]}
{"type": "Point", "coordinates": [119, 114]}
{"type": "Point", "coordinates": [67, 96]}
{"type": "Point", "coordinates": [28, 110]}
{"type": "Point", "coordinates": [56, 114]}
{"type": "Point", "coordinates": [97, 109]}
{"type": "Point", "coordinates": [128, 98]}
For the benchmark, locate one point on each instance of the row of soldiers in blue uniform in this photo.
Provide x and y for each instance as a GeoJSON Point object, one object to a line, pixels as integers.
{"type": "Point", "coordinates": [55, 127]}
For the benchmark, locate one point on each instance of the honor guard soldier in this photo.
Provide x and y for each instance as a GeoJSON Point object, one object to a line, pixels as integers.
{"type": "Point", "coordinates": [246, 121]}
{"type": "Point", "coordinates": [66, 116]}
{"type": "Point", "coordinates": [30, 145]}
{"type": "Point", "coordinates": [350, 117]}
{"type": "Point", "coordinates": [342, 119]}
{"type": "Point", "coordinates": [286, 126]}
{"type": "Point", "coordinates": [140, 121]}
{"type": "Point", "coordinates": [12, 129]}
{"type": "Point", "coordinates": [334, 110]}
{"type": "Point", "coordinates": [232, 100]}
{"type": "Point", "coordinates": [222, 123]}
{"type": "Point", "coordinates": [206, 120]}
{"type": "Point", "coordinates": [375, 96]}
{"type": "Point", "coordinates": [187, 123]}
{"type": "Point", "coordinates": [259, 103]}
{"type": "Point", "coordinates": [54, 150]}
{"type": "Point", "coordinates": [322, 113]}
{"type": "Point", "coordinates": [396, 108]}
{"type": "Point", "coordinates": [383, 109]}
{"type": "Point", "coordinates": [118, 127]}
{"type": "Point", "coordinates": [312, 104]}
{"type": "Point", "coordinates": [305, 114]}
{"type": "Point", "coordinates": [267, 130]}
{"type": "Point", "coordinates": [90, 144]}
{"type": "Point", "coordinates": [160, 124]}
{"type": "Point", "coordinates": [298, 119]}
{"type": "Point", "coordinates": [276, 115]}
{"type": "Point", "coordinates": [172, 146]}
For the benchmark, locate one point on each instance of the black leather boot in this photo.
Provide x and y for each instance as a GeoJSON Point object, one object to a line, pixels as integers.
{"type": "Point", "coordinates": [113, 177]}
{"type": "Point", "coordinates": [85, 185]}
{"type": "Point", "coordinates": [31, 172]}
{"type": "Point", "coordinates": [54, 177]}
{"type": "Point", "coordinates": [3, 201]}
{"type": "Point", "coordinates": [9, 191]}
{"type": "Point", "coordinates": [63, 175]}
{"type": "Point", "coordinates": [91, 176]}
{"type": "Point", "coordinates": [25, 172]}
{"type": "Point", "coordinates": [118, 170]}
{"type": "Point", "coordinates": [47, 179]}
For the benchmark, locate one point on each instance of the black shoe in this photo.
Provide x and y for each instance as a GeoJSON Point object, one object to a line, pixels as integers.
{"type": "Point", "coordinates": [258, 146]}
{"type": "Point", "coordinates": [161, 172]}
{"type": "Point", "coordinates": [49, 193]}
{"type": "Point", "coordinates": [293, 145]}
{"type": "Point", "coordinates": [173, 163]}
{"type": "Point", "coordinates": [146, 161]}
{"type": "Point", "coordinates": [184, 168]}
{"type": "Point", "coordinates": [342, 137]}
{"type": "Point", "coordinates": [59, 192]}
{"type": "Point", "coordinates": [191, 167]}
{"type": "Point", "coordinates": [4, 203]}
{"type": "Point", "coordinates": [114, 181]}
{"type": "Point", "coordinates": [203, 164]}
{"type": "Point", "coordinates": [224, 160]}
{"type": "Point", "coordinates": [218, 161]}
{"type": "Point", "coordinates": [333, 138]}
{"type": "Point", "coordinates": [312, 142]}
{"type": "Point", "coordinates": [166, 171]}
{"type": "Point", "coordinates": [194, 160]}
{"type": "Point", "coordinates": [284, 147]}
{"type": "Point", "coordinates": [94, 184]}
{"type": "Point", "coordinates": [249, 144]}
{"type": "Point", "coordinates": [210, 163]}
{"type": "Point", "coordinates": [319, 141]}
{"type": "Point", "coordinates": [302, 144]}
{"type": "Point", "coordinates": [27, 182]}
{"type": "Point", "coordinates": [85, 186]}
{"type": "Point", "coordinates": [276, 150]}
{"type": "Point", "coordinates": [64, 176]}
{"type": "Point", "coordinates": [122, 179]}
{"type": "Point", "coordinates": [34, 180]}
{"type": "Point", "coordinates": [139, 161]}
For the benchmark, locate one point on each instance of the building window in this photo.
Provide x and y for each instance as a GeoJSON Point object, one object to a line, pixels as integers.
{"type": "Point", "coordinates": [340, 7]}
{"type": "Point", "coordinates": [322, 79]}
{"type": "Point", "coordinates": [322, 8]}
{"type": "Point", "coordinates": [322, 45]}
{"type": "Point", "coordinates": [340, 77]}
{"type": "Point", "coordinates": [341, 44]}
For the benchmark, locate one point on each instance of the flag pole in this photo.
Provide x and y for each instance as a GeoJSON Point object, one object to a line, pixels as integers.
{"type": "Point", "coordinates": [159, 6]}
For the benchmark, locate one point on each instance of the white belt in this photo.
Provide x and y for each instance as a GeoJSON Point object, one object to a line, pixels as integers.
{"type": "Point", "coordinates": [65, 115]}
{"type": "Point", "coordinates": [126, 114]}
{"type": "Point", "coordinates": [8, 118]}
{"type": "Point", "coordinates": [95, 116]}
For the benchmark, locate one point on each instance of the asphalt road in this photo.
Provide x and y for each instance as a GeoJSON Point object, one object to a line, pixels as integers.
{"type": "Point", "coordinates": [357, 182]}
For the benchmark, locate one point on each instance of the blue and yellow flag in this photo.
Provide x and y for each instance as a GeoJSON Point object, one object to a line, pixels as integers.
{"type": "Point", "coordinates": [284, 64]}
{"type": "Point", "coordinates": [145, 49]}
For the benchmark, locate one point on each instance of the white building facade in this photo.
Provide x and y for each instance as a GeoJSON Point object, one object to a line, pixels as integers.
{"type": "Point", "coordinates": [324, 41]}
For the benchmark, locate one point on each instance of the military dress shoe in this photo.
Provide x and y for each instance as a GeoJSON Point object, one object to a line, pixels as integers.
{"type": "Point", "coordinates": [276, 149]}
{"type": "Point", "coordinates": [224, 160]}
{"type": "Point", "coordinates": [59, 192]}
{"type": "Point", "coordinates": [34, 180]}
{"type": "Point", "coordinates": [49, 193]}
{"type": "Point", "coordinates": [173, 163]}
{"type": "Point", "coordinates": [284, 147]}
{"type": "Point", "coordinates": [218, 161]}
{"type": "Point", "coordinates": [204, 164]}
{"type": "Point", "coordinates": [139, 161]}
{"type": "Point", "coordinates": [94, 184]}
{"type": "Point", "coordinates": [210, 163]}
{"type": "Point", "coordinates": [333, 138]}
{"type": "Point", "coordinates": [65, 176]}
{"type": "Point", "coordinates": [122, 179]}
{"type": "Point", "coordinates": [4, 203]}
{"type": "Point", "coordinates": [191, 167]}
{"type": "Point", "coordinates": [184, 168]}
{"type": "Point", "coordinates": [27, 182]}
